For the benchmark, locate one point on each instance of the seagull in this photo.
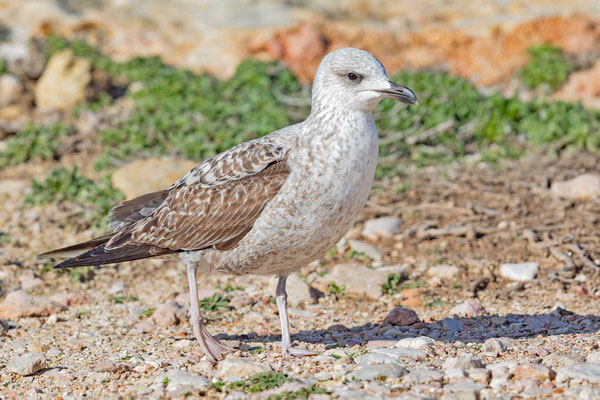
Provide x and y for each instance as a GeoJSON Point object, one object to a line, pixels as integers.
{"type": "Point", "coordinates": [267, 206]}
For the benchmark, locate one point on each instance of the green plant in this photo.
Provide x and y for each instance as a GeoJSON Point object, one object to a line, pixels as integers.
{"type": "Point", "coordinates": [260, 382]}
{"type": "Point", "coordinates": [166, 381]}
{"type": "Point", "coordinates": [302, 394]}
{"type": "Point", "coordinates": [122, 299]}
{"type": "Point", "coordinates": [148, 313]}
{"type": "Point", "coordinates": [547, 65]}
{"type": "Point", "coordinates": [34, 141]}
{"type": "Point", "coordinates": [63, 185]}
{"type": "Point", "coordinates": [214, 303]}
{"type": "Point", "coordinates": [392, 285]}
{"type": "Point", "coordinates": [335, 289]}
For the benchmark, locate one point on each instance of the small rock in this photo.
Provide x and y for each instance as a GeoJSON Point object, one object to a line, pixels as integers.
{"type": "Point", "coordinates": [375, 358]}
{"type": "Point", "coordinates": [470, 308]}
{"type": "Point", "coordinates": [134, 180]}
{"type": "Point", "coordinates": [240, 368]}
{"type": "Point", "coordinates": [466, 387]}
{"type": "Point", "coordinates": [63, 83]}
{"type": "Point", "coordinates": [401, 316]}
{"type": "Point", "coordinates": [117, 287]}
{"type": "Point", "coordinates": [463, 363]}
{"type": "Point", "coordinates": [29, 281]}
{"type": "Point", "coordinates": [373, 372]}
{"type": "Point", "coordinates": [70, 299]}
{"type": "Point", "coordinates": [584, 371]}
{"type": "Point", "coordinates": [444, 272]}
{"type": "Point", "coordinates": [358, 280]}
{"type": "Point", "coordinates": [297, 289]}
{"type": "Point", "coordinates": [168, 314]}
{"type": "Point", "coordinates": [497, 345]}
{"type": "Point", "coordinates": [535, 371]}
{"type": "Point", "coordinates": [562, 359]}
{"type": "Point", "coordinates": [480, 375]}
{"type": "Point", "coordinates": [19, 304]}
{"type": "Point", "coordinates": [401, 354]}
{"type": "Point", "coordinates": [593, 357]}
{"type": "Point", "coordinates": [521, 272]}
{"type": "Point", "coordinates": [10, 89]}
{"type": "Point", "coordinates": [182, 344]}
{"type": "Point", "coordinates": [452, 324]}
{"type": "Point", "coordinates": [365, 248]}
{"type": "Point", "coordinates": [455, 374]}
{"type": "Point", "coordinates": [381, 227]}
{"type": "Point", "coordinates": [27, 364]}
{"type": "Point", "coordinates": [583, 187]}
{"type": "Point", "coordinates": [106, 366]}
{"type": "Point", "coordinates": [415, 343]}
{"type": "Point", "coordinates": [422, 376]}
{"type": "Point", "coordinates": [4, 326]}
{"type": "Point", "coordinates": [181, 382]}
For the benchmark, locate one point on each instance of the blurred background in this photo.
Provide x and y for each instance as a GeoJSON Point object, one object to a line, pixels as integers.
{"type": "Point", "coordinates": [103, 100]}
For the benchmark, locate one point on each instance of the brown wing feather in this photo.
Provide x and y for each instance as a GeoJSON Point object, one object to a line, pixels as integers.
{"type": "Point", "coordinates": [194, 217]}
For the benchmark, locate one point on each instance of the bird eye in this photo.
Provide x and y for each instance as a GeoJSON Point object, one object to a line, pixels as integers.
{"type": "Point", "coordinates": [352, 76]}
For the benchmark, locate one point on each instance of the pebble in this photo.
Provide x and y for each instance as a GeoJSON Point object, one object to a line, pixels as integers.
{"type": "Point", "coordinates": [10, 89]}
{"type": "Point", "coordinates": [181, 382]}
{"type": "Point", "coordinates": [238, 302]}
{"type": "Point", "coordinates": [480, 375]}
{"type": "Point", "coordinates": [593, 357]}
{"type": "Point", "coordinates": [372, 372]}
{"type": "Point", "coordinates": [168, 314]}
{"type": "Point", "coordinates": [470, 308]}
{"type": "Point", "coordinates": [452, 324]}
{"type": "Point", "coordinates": [400, 354]}
{"type": "Point", "coordinates": [535, 371]}
{"type": "Point", "coordinates": [562, 359]}
{"type": "Point", "coordinates": [106, 366]}
{"type": "Point", "coordinates": [240, 368]}
{"type": "Point", "coordinates": [443, 272]}
{"type": "Point", "coordinates": [401, 316]}
{"type": "Point", "coordinates": [70, 299]}
{"type": "Point", "coordinates": [455, 373]}
{"type": "Point", "coordinates": [463, 363]}
{"type": "Point", "coordinates": [497, 345]}
{"type": "Point", "coordinates": [297, 289]}
{"type": "Point", "coordinates": [63, 82]}
{"type": "Point", "coordinates": [358, 280]}
{"type": "Point", "coordinates": [584, 371]}
{"type": "Point", "coordinates": [521, 272]}
{"type": "Point", "coordinates": [583, 188]}
{"type": "Point", "coordinates": [29, 281]}
{"type": "Point", "coordinates": [381, 227]}
{"type": "Point", "coordinates": [27, 364]}
{"type": "Point", "coordinates": [19, 304]}
{"type": "Point", "coordinates": [416, 343]}
{"type": "Point", "coordinates": [422, 376]}
{"type": "Point", "coordinates": [468, 387]}
{"type": "Point", "coordinates": [365, 248]}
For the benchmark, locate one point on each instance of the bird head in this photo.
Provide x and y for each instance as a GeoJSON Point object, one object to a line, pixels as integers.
{"type": "Point", "coordinates": [354, 79]}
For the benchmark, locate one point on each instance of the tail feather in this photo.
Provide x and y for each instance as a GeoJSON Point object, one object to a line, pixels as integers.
{"type": "Point", "coordinates": [75, 250]}
{"type": "Point", "coordinates": [94, 252]}
{"type": "Point", "coordinates": [101, 256]}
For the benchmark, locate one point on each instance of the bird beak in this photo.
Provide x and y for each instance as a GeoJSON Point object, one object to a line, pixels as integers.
{"type": "Point", "coordinates": [399, 93]}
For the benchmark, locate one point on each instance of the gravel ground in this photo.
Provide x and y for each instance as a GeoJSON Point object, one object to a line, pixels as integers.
{"type": "Point", "coordinates": [454, 323]}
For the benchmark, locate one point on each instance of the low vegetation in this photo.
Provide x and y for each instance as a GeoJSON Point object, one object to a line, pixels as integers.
{"type": "Point", "coordinates": [260, 382]}
{"type": "Point", "coordinates": [547, 65]}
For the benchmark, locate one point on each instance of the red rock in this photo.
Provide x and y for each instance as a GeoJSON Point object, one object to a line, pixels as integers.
{"type": "Point", "coordinates": [582, 86]}
{"type": "Point", "coordinates": [19, 304]}
{"type": "Point", "coordinates": [401, 316]}
{"type": "Point", "coordinates": [168, 314]}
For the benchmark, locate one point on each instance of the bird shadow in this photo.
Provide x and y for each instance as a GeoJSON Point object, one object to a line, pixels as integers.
{"type": "Point", "coordinates": [448, 330]}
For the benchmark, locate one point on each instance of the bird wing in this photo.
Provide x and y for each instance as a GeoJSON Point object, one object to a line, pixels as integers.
{"type": "Point", "coordinates": [214, 205]}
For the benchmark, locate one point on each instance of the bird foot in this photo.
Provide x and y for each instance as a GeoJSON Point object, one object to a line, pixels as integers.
{"type": "Point", "coordinates": [294, 352]}
{"type": "Point", "coordinates": [213, 348]}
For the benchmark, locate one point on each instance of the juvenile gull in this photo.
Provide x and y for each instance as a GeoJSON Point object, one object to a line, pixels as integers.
{"type": "Point", "coordinates": [267, 206]}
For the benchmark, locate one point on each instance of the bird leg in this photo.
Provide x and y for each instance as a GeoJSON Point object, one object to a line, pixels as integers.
{"type": "Point", "coordinates": [211, 346]}
{"type": "Point", "coordinates": [286, 342]}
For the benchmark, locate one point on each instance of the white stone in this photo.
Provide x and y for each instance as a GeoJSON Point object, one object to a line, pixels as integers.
{"type": "Point", "coordinates": [415, 343]}
{"type": "Point", "coordinates": [241, 368]}
{"type": "Point", "coordinates": [182, 382]}
{"type": "Point", "coordinates": [373, 372]}
{"type": "Point", "coordinates": [365, 248]}
{"type": "Point", "coordinates": [381, 227]}
{"type": "Point", "coordinates": [27, 364]}
{"type": "Point", "coordinates": [443, 271]}
{"type": "Point", "coordinates": [521, 272]}
{"type": "Point", "coordinates": [584, 371]}
{"type": "Point", "coordinates": [10, 89]}
{"type": "Point", "coordinates": [583, 187]}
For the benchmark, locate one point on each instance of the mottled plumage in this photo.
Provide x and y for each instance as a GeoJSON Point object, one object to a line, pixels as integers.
{"type": "Point", "coordinates": [268, 206]}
